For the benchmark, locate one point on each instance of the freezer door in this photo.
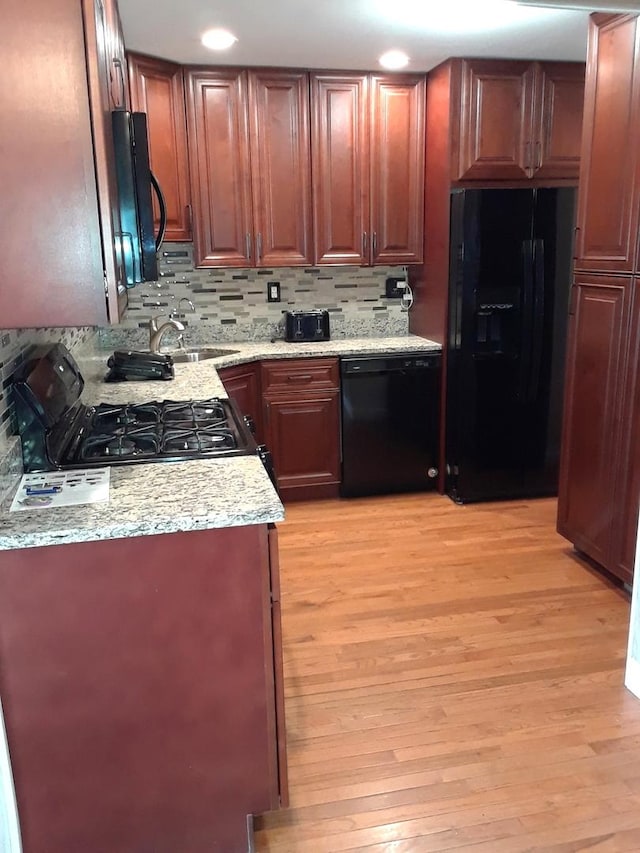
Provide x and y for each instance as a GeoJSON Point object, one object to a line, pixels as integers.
{"type": "Point", "coordinates": [553, 231]}
{"type": "Point", "coordinates": [490, 341]}
{"type": "Point", "coordinates": [510, 266]}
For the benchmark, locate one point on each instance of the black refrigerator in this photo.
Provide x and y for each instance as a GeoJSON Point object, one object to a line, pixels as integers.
{"type": "Point", "coordinates": [510, 279]}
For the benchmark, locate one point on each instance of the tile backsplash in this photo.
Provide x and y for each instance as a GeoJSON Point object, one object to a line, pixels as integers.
{"type": "Point", "coordinates": [231, 304]}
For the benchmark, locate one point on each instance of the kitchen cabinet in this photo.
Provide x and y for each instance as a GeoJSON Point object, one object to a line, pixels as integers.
{"type": "Point", "coordinates": [118, 89]}
{"type": "Point", "coordinates": [157, 89]}
{"type": "Point", "coordinates": [250, 167]}
{"type": "Point", "coordinates": [609, 201]}
{"type": "Point", "coordinates": [57, 177]}
{"type": "Point", "coordinates": [242, 383]}
{"type": "Point", "coordinates": [161, 657]}
{"type": "Point", "coordinates": [598, 330]}
{"type": "Point", "coordinates": [368, 168]}
{"type": "Point", "coordinates": [517, 120]}
{"type": "Point", "coordinates": [600, 479]}
{"type": "Point", "coordinates": [301, 400]}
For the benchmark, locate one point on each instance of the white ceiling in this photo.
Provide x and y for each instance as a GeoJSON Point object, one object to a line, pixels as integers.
{"type": "Point", "coordinates": [351, 34]}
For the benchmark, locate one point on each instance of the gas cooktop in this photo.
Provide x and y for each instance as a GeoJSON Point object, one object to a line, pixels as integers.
{"type": "Point", "coordinates": [58, 431]}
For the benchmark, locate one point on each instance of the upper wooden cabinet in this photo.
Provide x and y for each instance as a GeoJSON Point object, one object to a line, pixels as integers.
{"type": "Point", "coordinates": [340, 142]}
{"type": "Point", "coordinates": [607, 235]}
{"type": "Point", "coordinates": [118, 88]}
{"type": "Point", "coordinates": [517, 120]}
{"type": "Point", "coordinates": [252, 201]}
{"type": "Point", "coordinates": [397, 169]}
{"type": "Point", "coordinates": [368, 168]}
{"type": "Point", "coordinates": [58, 229]}
{"type": "Point", "coordinates": [157, 89]}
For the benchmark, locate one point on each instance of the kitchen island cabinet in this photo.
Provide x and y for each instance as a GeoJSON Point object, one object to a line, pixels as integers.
{"type": "Point", "coordinates": [142, 690]}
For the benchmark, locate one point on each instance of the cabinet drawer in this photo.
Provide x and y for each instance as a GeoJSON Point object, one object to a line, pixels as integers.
{"type": "Point", "coordinates": [300, 374]}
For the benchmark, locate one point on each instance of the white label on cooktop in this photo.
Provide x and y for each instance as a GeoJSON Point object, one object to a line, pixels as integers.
{"type": "Point", "coordinates": [62, 488]}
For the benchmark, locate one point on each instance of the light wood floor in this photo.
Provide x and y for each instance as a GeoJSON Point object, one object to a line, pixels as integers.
{"type": "Point", "coordinates": [453, 682]}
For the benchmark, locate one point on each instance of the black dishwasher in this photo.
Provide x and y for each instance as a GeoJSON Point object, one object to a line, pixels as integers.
{"type": "Point", "coordinates": [390, 423]}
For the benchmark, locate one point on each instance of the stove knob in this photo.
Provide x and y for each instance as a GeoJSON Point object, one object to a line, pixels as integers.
{"type": "Point", "coordinates": [250, 424]}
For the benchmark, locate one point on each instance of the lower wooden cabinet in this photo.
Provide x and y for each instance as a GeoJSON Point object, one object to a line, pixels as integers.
{"type": "Point", "coordinates": [242, 384]}
{"type": "Point", "coordinates": [141, 683]}
{"type": "Point", "coordinates": [598, 507]}
{"type": "Point", "coordinates": [302, 426]}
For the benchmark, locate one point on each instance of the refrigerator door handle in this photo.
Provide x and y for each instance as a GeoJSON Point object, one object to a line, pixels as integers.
{"type": "Point", "coordinates": [538, 319]}
{"type": "Point", "coordinates": [526, 320]}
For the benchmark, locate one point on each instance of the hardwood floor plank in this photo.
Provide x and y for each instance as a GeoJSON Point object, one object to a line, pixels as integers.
{"type": "Point", "coordinates": [453, 681]}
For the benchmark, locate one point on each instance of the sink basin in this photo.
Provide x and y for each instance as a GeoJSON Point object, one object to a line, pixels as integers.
{"type": "Point", "coordinates": [199, 353]}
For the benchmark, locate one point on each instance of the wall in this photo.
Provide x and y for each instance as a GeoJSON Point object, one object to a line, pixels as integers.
{"type": "Point", "coordinates": [231, 304]}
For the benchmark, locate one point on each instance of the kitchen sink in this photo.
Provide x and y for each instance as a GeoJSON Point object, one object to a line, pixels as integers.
{"type": "Point", "coordinates": [199, 353]}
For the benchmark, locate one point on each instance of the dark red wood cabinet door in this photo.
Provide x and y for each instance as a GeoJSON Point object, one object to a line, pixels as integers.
{"type": "Point", "coordinates": [598, 333]}
{"type": "Point", "coordinates": [219, 167]}
{"type": "Point", "coordinates": [627, 499]}
{"type": "Point", "coordinates": [340, 155]}
{"type": "Point", "coordinates": [557, 127]}
{"type": "Point", "coordinates": [242, 383]}
{"type": "Point", "coordinates": [608, 197]}
{"type": "Point", "coordinates": [281, 167]}
{"type": "Point", "coordinates": [398, 105]}
{"type": "Point", "coordinates": [496, 112]}
{"type": "Point", "coordinates": [302, 432]}
{"type": "Point", "coordinates": [157, 89]}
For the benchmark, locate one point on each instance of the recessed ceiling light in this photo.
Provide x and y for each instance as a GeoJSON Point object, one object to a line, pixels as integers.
{"type": "Point", "coordinates": [218, 39]}
{"type": "Point", "coordinates": [394, 59]}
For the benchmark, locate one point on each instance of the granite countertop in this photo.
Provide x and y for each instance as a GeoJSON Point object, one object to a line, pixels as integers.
{"type": "Point", "coordinates": [178, 496]}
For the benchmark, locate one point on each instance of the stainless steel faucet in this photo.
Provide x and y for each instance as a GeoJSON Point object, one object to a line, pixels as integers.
{"type": "Point", "coordinates": [157, 333]}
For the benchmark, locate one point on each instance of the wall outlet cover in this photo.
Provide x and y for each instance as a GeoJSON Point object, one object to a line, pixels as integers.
{"type": "Point", "coordinates": [394, 287]}
{"type": "Point", "coordinates": [273, 291]}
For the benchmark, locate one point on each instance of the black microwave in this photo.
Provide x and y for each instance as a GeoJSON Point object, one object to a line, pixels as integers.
{"type": "Point", "coordinates": [135, 179]}
{"type": "Point", "coordinates": [307, 326]}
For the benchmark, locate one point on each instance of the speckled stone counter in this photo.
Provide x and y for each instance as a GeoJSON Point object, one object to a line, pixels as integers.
{"type": "Point", "coordinates": [160, 498]}
{"type": "Point", "coordinates": [178, 496]}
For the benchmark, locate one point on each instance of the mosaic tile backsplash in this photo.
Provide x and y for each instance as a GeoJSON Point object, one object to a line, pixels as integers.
{"type": "Point", "coordinates": [231, 304]}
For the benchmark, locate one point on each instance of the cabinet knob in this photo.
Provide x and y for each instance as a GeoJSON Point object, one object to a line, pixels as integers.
{"type": "Point", "coordinates": [432, 473]}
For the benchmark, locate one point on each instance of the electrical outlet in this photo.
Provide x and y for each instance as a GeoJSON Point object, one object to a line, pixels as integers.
{"type": "Point", "coordinates": [273, 291]}
{"type": "Point", "coordinates": [394, 287]}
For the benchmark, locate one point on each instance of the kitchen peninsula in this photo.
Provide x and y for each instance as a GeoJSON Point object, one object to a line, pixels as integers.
{"type": "Point", "coordinates": [141, 669]}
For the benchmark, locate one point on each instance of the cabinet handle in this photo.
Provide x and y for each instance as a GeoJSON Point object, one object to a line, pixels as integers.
{"type": "Point", "coordinates": [118, 64]}
{"type": "Point", "coordinates": [374, 245]}
{"type": "Point", "coordinates": [364, 245]}
{"type": "Point", "coordinates": [300, 377]}
{"type": "Point", "coordinates": [258, 247]}
{"type": "Point", "coordinates": [189, 211]}
{"type": "Point", "coordinates": [538, 154]}
{"type": "Point", "coordinates": [527, 158]}
{"type": "Point", "coordinates": [247, 238]}
{"type": "Point", "coordinates": [576, 234]}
